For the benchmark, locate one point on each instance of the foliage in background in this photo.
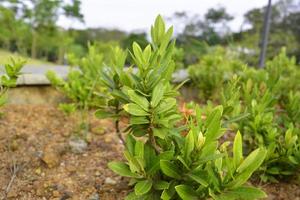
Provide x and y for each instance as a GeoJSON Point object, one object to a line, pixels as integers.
{"type": "Point", "coordinates": [82, 86]}
{"type": "Point", "coordinates": [8, 78]}
{"type": "Point", "coordinates": [262, 103]}
{"type": "Point", "coordinates": [29, 28]}
{"type": "Point", "coordinates": [213, 70]}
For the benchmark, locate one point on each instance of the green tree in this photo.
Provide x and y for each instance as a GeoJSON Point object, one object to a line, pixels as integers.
{"type": "Point", "coordinates": [41, 17]}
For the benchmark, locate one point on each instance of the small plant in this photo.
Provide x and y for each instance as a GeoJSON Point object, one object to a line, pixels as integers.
{"type": "Point", "coordinates": [291, 105]}
{"type": "Point", "coordinates": [161, 162]}
{"type": "Point", "coordinates": [67, 108]}
{"type": "Point", "coordinates": [113, 77]}
{"type": "Point", "coordinates": [9, 78]}
{"type": "Point", "coordinates": [213, 70]}
{"type": "Point", "coordinates": [82, 86]}
{"type": "Point", "coordinates": [267, 125]}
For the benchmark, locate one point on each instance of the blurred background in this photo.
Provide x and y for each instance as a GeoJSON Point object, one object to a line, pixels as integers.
{"type": "Point", "coordinates": [49, 31]}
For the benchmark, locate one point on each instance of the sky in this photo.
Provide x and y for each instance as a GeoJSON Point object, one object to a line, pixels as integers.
{"type": "Point", "coordinates": [138, 15]}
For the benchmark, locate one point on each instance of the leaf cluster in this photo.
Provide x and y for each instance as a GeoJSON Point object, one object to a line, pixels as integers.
{"type": "Point", "coordinates": [161, 161]}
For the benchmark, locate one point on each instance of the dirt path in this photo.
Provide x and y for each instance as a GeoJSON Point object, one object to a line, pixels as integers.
{"type": "Point", "coordinates": [31, 135]}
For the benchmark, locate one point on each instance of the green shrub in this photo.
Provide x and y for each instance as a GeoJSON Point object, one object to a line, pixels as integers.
{"type": "Point", "coordinates": [263, 103]}
{"type": "Point", "coordinates": [113, 77]}
{"type": "Point", "coordinates": [161, 162]}
{"type": "Point", "coordinates": [213, 70]}
{"type": "Point", "coordinates": [9, 78]}
{"type": "Point", "coordinates": [83, 86]}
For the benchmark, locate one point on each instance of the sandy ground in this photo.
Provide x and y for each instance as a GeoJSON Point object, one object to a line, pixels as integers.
{"type": "Point", "coordinates": [36, 161]}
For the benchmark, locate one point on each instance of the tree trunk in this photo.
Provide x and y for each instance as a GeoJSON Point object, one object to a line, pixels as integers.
{"type": "Point", "coordinates": [33, 44]}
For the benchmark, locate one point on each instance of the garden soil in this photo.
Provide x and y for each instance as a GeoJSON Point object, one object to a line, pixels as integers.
{"type": "Point", "coordinates": [37, 163]}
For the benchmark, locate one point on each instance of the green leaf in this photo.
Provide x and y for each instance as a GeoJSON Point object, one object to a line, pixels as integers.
{"type": "Point", "coordinates": [138, 99]}
{"type": "Point", "coordinates": [135, 110]}
{"type": "Point", "coordinates": [180, 158]}
{"type": "Point", "coordinates": [161, 185]}
{"type": "Point", "coordinates": [238, 149]}
{"type": "Point", "coordinates": [168, 194]}
{"type": "Point", "coordinates": [139, 149]}
{"type": "Point", "coordinates": [138, 120]}
{"type": "Point", "coordinates": [169, 169]}
{"type": "Point", "coordinates": [248, 166]}
{"type": "Point", "coordinates": [160, 132]}
{"type": "Point", "coordinates": [142, 187]}
{"type": "Point", "coordinates": [138, 54]}
{"type": "Point", "coordinates": [3, 100]}
{"type": "Point", "coordinates": [121, 169]}
{"type": "Point", "coordinates": [133, 196]}
{"type": "Point", "coordinates": [245, 193]}
{"type": "Point", "coordinates": [134, 164]}
{"type": "Point", "coordinates": [130, 144]}
{"type": "Point", "coordinates": [158, 30]}
{"type": "Point", "coordinates": [213, 124]}
{"type": "Point", "coordinates": [186, 192]}
{"type": "Point", "coordinates": [166, 39]}
{"type": "Point", "coordinates": [189, 144]}
{"type": "Point", "coordinates": [253, 159]}
{"type": "Point", "coordinates": [166, 155]}
{"type": "Point", "coordinates": [166, 105]}
{"type": "Point", "coordinates": [157, 94]}
{"type": "Point", "coordinates": [147, 53]}
{"type": "Point", "coordinates": [198, 179]}
{"type": "Point", "coordinates": [102, 114]}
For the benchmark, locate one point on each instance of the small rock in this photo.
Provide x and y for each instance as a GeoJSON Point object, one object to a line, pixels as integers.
{"type": "Point", "coordinates": [66, 195]}
{"type": "Point", "coordinates": [38, 154]}
{"type": "Point", "coordinates": [71, 169]}
{"type": "Point", "coordinates": [51, 156]}
{"type": "Point", "coordinates": [107, 139]}
{"type": "Point", "coordinates": [78, 145]}
{"type": "Point", "coordinates": [89, 137]}
{"type": "Point", "coordinates": [97, 173]}
{"type": "Point", "coordinates": [14, 145]}
{"type": "Point", "coordinates": [38, 171]}
{"type": "Point", "coordinates": [55, 193]}
{"type": "Point", "coordinates": [98, 130]}
{"type": "Point", "coordinates": [110, 181]}
{"type": "Point", "coordinates": [12, 194]}
{"type": "Point", "coordinates": [66, 133]}
{"type": "Point", "coordinates": [94, 196]}
{"type": "Point", "coordinates": [22, 136]}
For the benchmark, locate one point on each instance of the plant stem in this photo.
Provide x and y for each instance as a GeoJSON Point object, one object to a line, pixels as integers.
{"type": "Point", "coordinates": [117, 126]}
{"type": "Point", "coordinates": [119, 132]}
{"type": "Point", "coordinates": [153, 142]}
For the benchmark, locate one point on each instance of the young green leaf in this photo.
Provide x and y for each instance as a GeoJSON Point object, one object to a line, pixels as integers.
{"type": "Point", "coordinates": [101, 114]}
{"type": "Point", "coordinates": [138, 120]}
{"type": "Point", "coordinates": [161, 185]}
{"type": "Point", "coordinates": [254, 159]}
{"type": "Point", "coordinates": [139, 149]}
{"type": "Point", "coordinates": [160, 132]}
{"type": "Point", "coordinates": [244, 192]}
{"type": "Point", "coordinates": [189, 144]}
{"type": "Point", "coordinates": [169, 169]}
{"type": "Point", "coordinates": [186, 192]}
{"type": "Point", "coordinates": [138, 99]}
{"type": "Point", "coordinates": [157, 94]}
{"type": "Point", "coordinates": [213, 124]}
{"type": "Point", "coordinates": [121, 169]}
{"type": "Point", "coordinates": [135, 109]}
{"type": "Point", "coordinates": [238, 149]}
{"type": "Point", "coordinates": [198, 179]}
{"type": "Point", "coordinates": [142, 187]}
